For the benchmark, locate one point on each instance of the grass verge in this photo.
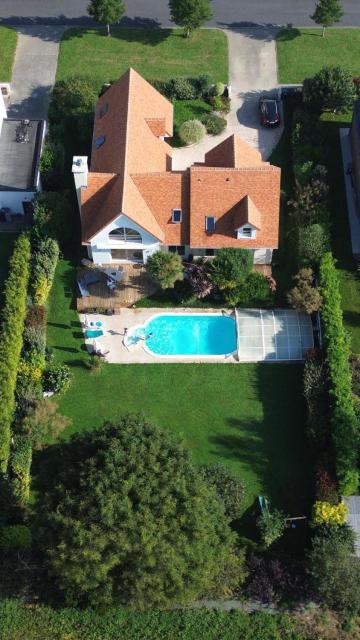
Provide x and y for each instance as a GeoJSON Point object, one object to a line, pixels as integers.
{"type": "Point", "coordinates": [8, 40]}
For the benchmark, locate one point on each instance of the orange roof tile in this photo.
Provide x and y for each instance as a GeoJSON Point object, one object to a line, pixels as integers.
{"type": "Point", "coordinates": [233, 152]}
{"type": "Point", "coordinates": [247, 213]}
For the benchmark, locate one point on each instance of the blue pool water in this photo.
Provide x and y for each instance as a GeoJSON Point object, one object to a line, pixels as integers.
{"type": "Point", "coordinates": [94, 333]}
{"type": "Point", "coordinates": [190, 335]}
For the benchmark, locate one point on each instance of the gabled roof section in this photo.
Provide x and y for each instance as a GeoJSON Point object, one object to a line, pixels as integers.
{"type": "Point", "coordinates": [247, 213]}
{"type": "Point", "coordinates": [233, 152]}
{"type": "Point", "coordinates": [130, 115]}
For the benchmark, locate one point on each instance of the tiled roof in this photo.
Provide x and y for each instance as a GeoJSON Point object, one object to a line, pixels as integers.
{"type": "Point", "coordinates": [131, 174]}
{"type": "Point", "coordinates": [125, 116]}
{"type": "Point", "coordinates": [247, 213]}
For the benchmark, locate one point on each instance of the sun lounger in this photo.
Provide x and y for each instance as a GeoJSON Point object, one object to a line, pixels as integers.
{"type": "Point", "coordinates": [83, 288]}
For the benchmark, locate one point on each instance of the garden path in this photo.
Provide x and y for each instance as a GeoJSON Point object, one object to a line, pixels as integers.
{"type": "Point", "coordinates": [253, 69]}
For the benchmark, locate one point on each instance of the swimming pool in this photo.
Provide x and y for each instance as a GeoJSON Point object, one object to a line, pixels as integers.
{"type": "Point", "coordinates": [186, 335]}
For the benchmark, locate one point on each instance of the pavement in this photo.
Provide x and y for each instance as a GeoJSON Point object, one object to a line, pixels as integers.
{"type": "Point", "coordinates": [253, 69]}
{"type": "Point", "coordinates": [226, 13]}
{"type": "Point", "coordinates": [34, 70]}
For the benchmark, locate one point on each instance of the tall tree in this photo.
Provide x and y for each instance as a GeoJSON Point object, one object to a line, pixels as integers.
{"type": "Point", "coordinates": [130, 520]}
{"type": "Point", "coordinates": [327, 12]}
{"type": "Point", "coordinates": [190, 14]}
{"type": "Point", "coordinates": [106, 11]}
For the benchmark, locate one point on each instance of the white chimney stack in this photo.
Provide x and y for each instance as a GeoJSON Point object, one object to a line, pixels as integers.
{"type": "Point", "coordinates": [80, 171]}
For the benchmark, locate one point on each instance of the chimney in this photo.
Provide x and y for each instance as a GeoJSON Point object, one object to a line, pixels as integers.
{"type": "Point", "coordinates": [80, 171]}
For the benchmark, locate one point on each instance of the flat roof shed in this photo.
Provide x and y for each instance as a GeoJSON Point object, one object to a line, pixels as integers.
{"type": "Point", "coordinates": [20, 148]}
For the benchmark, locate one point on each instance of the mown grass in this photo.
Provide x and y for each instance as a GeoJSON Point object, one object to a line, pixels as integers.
{"type": "Point", "coordinates": [248, 417]}
{"type": "Point", "coordinates": [8, 39]}
{"type": "Point", "coordinates": [301, 53]}
{"type": "Point", "coordinates": [154, 53]}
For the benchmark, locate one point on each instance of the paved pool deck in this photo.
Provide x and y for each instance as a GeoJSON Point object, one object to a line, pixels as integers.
{"type": "Point", "coordinates": [114, 331]}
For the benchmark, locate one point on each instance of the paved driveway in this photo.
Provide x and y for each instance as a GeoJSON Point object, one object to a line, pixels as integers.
{"type": "Point", "coordinates": [253, 68]}
{"type": "Point", "coordinates": [34, 70]}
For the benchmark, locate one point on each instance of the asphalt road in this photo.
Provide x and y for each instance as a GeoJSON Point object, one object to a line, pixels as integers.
{"type": "Point", "coordinates": [227, 13]}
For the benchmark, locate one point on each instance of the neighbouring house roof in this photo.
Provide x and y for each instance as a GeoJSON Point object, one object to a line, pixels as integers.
{"type": "Point", "coordinates": [19, 161]}
{"type": "Point", "coordinates": [131, 173]}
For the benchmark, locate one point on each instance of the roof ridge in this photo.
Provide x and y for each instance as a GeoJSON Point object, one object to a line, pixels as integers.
{"type": "Point", "coordinates": [129, 72]}
{"type": "Point", "coordinates": [265, 167]}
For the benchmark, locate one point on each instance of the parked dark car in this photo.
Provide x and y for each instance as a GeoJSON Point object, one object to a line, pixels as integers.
{"type": "Point", "coordinates": [269, 112]}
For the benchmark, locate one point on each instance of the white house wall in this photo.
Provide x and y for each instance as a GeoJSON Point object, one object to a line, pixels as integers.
{"type": "Point", "coordinates": [14, 199]}
{"type": "Point", "coordinates": [101, 245]}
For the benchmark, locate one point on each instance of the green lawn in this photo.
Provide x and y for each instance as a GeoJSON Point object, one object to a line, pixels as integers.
{"type": "Point", "coordinates": [303, 52]}
{"type": "Point", "coordinates": [8, 38]}
{"type": "Point", "coordinates": [250, 417]}
{"type": "Point", "coordinates": [154, 53]}
{"type": "Point", "coordinates": [6, 246]}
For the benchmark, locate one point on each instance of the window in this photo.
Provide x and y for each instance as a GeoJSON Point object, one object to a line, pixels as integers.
{"type": "Point", "coordinates": [104, 109]}
{"type": "Point", "coordinates": [99, 142]}
{"type": "Point", "coordinates": [246, 232]}
{"type": "Point", "coordinates": [125, 234]}
{"type": "Point", "coordinates": [176, 216]}
{"type": "Point", "coordinates": [209, 252]}
{"type": "Point", "coordinates": [179, 249]}
{"type": "Point", "coordinates": [210, 222]}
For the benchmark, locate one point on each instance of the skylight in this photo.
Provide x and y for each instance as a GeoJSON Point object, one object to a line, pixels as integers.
{"type": "Point", "coordinates": [99, 142]}
{"type": "Point", "coordinates": [210, 222]}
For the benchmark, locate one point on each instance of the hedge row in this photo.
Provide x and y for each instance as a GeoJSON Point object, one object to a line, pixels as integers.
{"type": "Point", "coordinates": [11, 336]}
{"type": "Point", "coordinates": [43, 269]}
{"type": "Point", "coordinates": [343, 419]}
{"type": "Point", "coordinates": [38, 623]}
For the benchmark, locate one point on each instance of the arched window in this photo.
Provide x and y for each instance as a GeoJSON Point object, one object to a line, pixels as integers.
{"type": "Point", "coordinates": [125, 234]}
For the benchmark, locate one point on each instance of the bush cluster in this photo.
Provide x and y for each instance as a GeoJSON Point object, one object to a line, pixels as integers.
{"type": "Point", "coordinates": [315, 385]}
{"type": "Point", "coordinates": [343, 421]}
{"type": "Point", "coordinates": [192, 131]}
{"type": "Point", "coordinates": [11, 332]}
{"type": "Point", "coordinates": [57, 378]}
{"type": "Point", "coordinates": [20, 465]}
{"type": "Point", "coordinates": [214, 124]}
{"type": "Point", "coordinates": [325, 513]}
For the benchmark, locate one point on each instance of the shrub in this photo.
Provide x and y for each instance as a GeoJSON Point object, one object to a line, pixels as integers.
{"type": "Point", "coordinates": [43, 268]}
{"type": "Point", "coordinates": [271, 525]}
{"type": "Point", "coordinates": [343, 421]}
{"type": "Point", "coordinates": [314, 241]}
{"type": "Point", "coordinates": [217, 103]}
{"type": "Point", "coordinates": [198, 277]}
{"type": "Point", "coordinates": [35, 338]}
{"type": "Point", "coordinates": [53, 216]}
{"type": "Point", "coordinates": [52, 164]}
{"type": "Point", "coordinates": [43, 422]}
{"type": "Point", "coordinates": [11, 330]}
{"type": "Point", "coordinates": [20, 465]}
{"type": "Point", "coordinates": [334, 570]}
{"type": "Point", "coordinates": [254, 289]}
{"type": "Point", "coordinates": [228, 487]}
{"type": "Point", "coordinates": [230, 267]}
{"type": "Point", "coordinates": [329, 514]}
{"type": "Point", "coordinates": [94, 364]}
{"type": "Point", "coordinates": [71, 109]}
{"type": "Point", "coordinates": [303, 172]}
{"type": "Point", "coordinates": [192, 131]}
{"type": "Point", "coordinates": [36, 316]}
{"type": "Point", "coordinates": [182, 89]}
{"type": "Point", "coordinates": [165, 268]}
{"type": "Point", "coordinates": [217, 89]}
{"type": "Point", "coordinates": [57, 378]}
{"type": "Point", "coordinates": [214, 124]}
{"type": "Point", "coordinates": [355, 373]}
{"type": "Point", "coordinates": [270, 580]}
{"type": "Point", "coordinates": [325, 487]}
{"type": "Point", "coordinates": [205, 84]}
{"type": "Point", "coordinates": [304, 296]}
{"type": "Point", "coordinates": [331, 89]}
{"type": "Point", "coordinates": [15, 538]}
{"type": "Point", "coordinates": [309, 205]}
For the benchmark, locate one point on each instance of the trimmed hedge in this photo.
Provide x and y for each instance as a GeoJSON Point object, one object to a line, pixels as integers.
{"type": "Point", "coordinates": [38, 622]}
{"type": "Point", "coordinates": [11, 338]}
{"type": "Point", "coordinates": [343, 420]}
{"type": "Point", "coordinates": [20, 463]}
{"type": "Point", "coordinates": [43, 269]}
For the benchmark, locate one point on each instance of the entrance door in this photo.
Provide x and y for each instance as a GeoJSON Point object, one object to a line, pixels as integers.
{"type": "Point", "coordinates": [130, 255]}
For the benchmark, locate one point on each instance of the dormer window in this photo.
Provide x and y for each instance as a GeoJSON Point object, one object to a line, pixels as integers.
{"type": "Point", "coordinates": [246, 232]}
{"type": "Point", "coordinates": [99, 142]}
{"type": "Point", "coordinates": [104, 109]}
{"type": "Point", "coordinates": [176, 217]}
{"type": "Point", "coordinates": [210, 223]}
